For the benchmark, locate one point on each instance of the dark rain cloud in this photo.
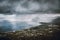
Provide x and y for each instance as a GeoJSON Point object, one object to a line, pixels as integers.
{"type": "Point", "coordinates": [10, 6]}
{"type": "Point", "coordinates": [5, 7]}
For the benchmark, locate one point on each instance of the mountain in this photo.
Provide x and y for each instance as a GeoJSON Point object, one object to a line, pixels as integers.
{"type": "Point", "coordinates": [22, 25]}
{"type": "Point", "coordinates": [5, 26]}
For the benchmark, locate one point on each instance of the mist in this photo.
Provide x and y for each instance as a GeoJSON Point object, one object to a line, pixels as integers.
{"type": "Point", "coordinates": [19, 22]}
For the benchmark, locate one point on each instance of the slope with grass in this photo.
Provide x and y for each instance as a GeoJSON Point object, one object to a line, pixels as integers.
{"type": "Point", "coordinates": [41, 32]}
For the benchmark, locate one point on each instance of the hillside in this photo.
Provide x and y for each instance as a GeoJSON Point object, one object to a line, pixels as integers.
{"type": "Point", "coordinates": [41, 32]}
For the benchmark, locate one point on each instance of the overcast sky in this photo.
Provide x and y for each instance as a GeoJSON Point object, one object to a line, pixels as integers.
{"type": "Point", "coordinates": [28, 6]}
{"type": "Point", "coordinates": [27, 21]}
{"type": "Point", "coordinates": [28, 12]}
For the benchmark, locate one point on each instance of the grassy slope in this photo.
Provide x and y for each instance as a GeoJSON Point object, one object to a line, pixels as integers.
{"type": "Point", "coordinates": [42, 32]}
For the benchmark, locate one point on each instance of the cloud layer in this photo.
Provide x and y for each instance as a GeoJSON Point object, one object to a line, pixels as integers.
{"type": "Point", "coordinates": [27, 13]}
{"type": "Point", "coordinates": [28, 6]}
{"type": "Point", "coordinates": [26, 21]}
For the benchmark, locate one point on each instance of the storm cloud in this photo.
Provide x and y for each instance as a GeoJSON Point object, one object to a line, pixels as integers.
{"type": "Point", "coordinates": [22, 14]}
{"type": "Point", "coordinates": [28, 6]}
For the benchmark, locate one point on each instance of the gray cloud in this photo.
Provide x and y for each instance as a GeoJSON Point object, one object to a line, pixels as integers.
{"type": "Point", "coordinates": [35, 6]}
{"type": "Point", "coordinates": [5, 7]}
{"type": "Point", "coordinates": [28, 6]}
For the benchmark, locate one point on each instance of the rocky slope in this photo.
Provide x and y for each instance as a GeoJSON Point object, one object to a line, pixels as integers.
{"type": "Point", "coordinates": [41, 32]}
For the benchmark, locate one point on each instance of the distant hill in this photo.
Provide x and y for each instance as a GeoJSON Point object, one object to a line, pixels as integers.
{"type": "Point", "coordinates": [5, 26]}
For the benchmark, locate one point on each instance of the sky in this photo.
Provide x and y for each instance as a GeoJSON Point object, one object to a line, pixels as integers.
{"type": "Point", "coordinates": [28, 6]}
{"type": "Point", "coordinates": [26, 21]}
{"type": "Point", "coordinates": [24, 14]}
